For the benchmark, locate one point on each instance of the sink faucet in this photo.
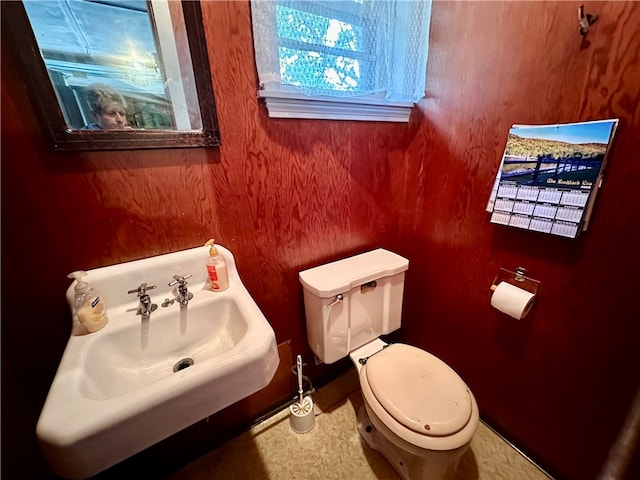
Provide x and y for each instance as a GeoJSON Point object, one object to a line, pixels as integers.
{"type": "Point", "coordinates": [146, 306]}
{"type": "Point", "coordinates": [183, 294]}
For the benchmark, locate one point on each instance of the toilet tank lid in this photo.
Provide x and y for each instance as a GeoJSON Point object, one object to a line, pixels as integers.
{"type": "Point", "coordinates": [343, 275]}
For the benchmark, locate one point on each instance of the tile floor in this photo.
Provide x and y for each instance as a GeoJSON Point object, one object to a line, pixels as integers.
{"type": "Point", "coordinates": [333, 449]}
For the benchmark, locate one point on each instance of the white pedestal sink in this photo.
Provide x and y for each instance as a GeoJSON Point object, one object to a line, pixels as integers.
{"type": "Point", "coordinates": [135, 382]}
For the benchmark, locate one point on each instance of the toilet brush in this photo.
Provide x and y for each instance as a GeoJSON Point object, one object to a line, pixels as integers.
{"type": "Point", "coordinates": [301, 418]}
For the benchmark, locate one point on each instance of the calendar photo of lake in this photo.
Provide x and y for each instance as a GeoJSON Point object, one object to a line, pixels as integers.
{"type": "Point", "coordinates": [562, 156]}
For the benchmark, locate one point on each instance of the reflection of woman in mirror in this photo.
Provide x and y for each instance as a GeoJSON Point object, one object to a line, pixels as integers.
{"type": "Point", "coordinates": [108, 108]}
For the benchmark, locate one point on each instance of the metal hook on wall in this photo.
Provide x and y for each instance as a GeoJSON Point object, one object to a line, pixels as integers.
{"type": "Point", "coordinates": [585, 20]}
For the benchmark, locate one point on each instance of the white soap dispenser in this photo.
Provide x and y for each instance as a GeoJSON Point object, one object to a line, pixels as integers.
{"type": "Point", "coordinates": [89, 307]}
{"type": "Point", "coordinates": [217, 268]}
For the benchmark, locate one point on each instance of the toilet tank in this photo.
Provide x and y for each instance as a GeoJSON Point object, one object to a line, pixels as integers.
{"type": "Point", "coordinates": [371, 286]}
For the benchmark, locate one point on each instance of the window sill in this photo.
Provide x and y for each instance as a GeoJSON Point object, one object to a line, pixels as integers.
{"type": "Point", "coordinates": [294, 105]}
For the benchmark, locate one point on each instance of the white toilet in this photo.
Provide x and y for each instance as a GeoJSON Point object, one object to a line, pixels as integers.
{"type": "Point", "coordinates": [418, 413]}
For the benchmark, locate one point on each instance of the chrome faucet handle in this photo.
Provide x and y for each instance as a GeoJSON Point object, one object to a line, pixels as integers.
{"type": "Point", "coordinates": [146, 306]}
{"type": "Point", "coordinates": [179, 279]}
{"type": "Point", "coordinates": [183, 294]}
{"type": "Point", "coordinates": [142, 289]}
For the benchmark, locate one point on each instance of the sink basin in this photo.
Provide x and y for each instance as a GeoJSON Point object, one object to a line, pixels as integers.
{"type": "Point", "coordinates": [126, 360]}
{"type": "Point", "coordinates": [137, 381]}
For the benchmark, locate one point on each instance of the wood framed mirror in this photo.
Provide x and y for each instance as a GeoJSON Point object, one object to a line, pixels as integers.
{"type": "Point", "coordinates": [115, 74]}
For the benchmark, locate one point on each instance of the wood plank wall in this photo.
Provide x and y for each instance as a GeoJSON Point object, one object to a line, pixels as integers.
{"type": "Point", "coordinates": [284, 196]}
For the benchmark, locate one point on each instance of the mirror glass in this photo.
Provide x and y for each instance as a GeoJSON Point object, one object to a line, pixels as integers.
{"type": "Point", "coordinates": [122, 73]}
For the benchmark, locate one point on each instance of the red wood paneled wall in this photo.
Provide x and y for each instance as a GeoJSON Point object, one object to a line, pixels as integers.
{"type": "Point", "coordinates": [287, 195]}
{"type": "Point", "coordinates": [559, 382]}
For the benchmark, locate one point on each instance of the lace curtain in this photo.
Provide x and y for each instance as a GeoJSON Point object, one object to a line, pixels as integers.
{"type": "Point", "coordinates": [343, 48]}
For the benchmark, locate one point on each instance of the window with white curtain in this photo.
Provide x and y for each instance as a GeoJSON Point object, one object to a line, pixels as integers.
{"type": "Point", "coordinates": [341, 59]}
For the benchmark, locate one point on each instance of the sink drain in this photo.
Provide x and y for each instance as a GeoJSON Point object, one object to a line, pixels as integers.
{"type": "Point", "coordinates": [182, 364]}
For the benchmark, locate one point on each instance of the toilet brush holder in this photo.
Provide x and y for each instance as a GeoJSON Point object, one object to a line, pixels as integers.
{"type": "Point", "coordinates": [301, 416]}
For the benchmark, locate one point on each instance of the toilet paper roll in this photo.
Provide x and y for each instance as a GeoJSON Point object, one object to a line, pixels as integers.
{"type": "Point", "coordinates": [512, 300]}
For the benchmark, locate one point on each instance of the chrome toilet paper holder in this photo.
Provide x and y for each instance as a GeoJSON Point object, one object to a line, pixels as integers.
{"type": "Point", "coordinates": [517, 278]}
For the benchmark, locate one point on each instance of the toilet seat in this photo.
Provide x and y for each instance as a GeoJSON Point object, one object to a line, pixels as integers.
{"type": "Point", "coordinates": [398, 384]}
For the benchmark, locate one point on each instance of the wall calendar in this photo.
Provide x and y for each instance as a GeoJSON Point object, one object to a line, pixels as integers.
{"type": "Point", "coordinates": [549, 176]}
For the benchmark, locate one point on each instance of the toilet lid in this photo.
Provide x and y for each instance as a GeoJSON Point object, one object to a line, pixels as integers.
{"type": "Point", "coordinates": [419, 390]}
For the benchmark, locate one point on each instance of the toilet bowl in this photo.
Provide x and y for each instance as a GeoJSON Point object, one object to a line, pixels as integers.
{"type": "Point", "coordinates": [417, 412]}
